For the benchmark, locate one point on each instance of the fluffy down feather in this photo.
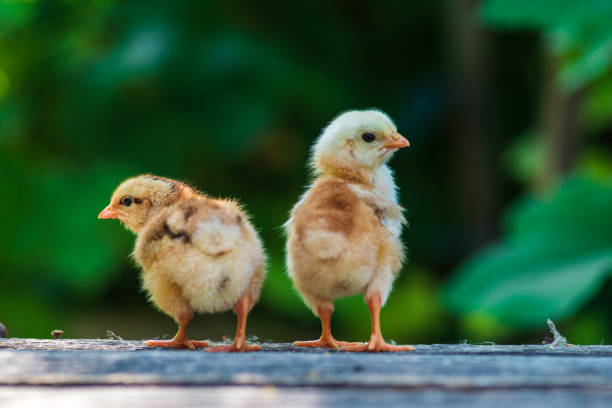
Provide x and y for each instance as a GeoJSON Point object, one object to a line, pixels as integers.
{"type": "Point", "coordinates": [207, 248]}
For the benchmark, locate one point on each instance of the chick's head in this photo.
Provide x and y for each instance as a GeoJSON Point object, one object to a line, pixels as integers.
{"type": "Point", "coordinates": [139, 198]}
{"type": "Point", "coordinates": [358, 140]}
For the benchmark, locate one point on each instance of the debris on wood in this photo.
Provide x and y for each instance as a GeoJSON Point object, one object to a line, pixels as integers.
{"type": "Point", "coordinates": [558, 339]}
{"type": "Point", "coordinates": [110, 335]}
{"type": "Point", "coordinates": [57, 334]}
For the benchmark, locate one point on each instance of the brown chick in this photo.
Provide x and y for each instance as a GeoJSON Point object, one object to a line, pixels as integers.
{"type": "Point", "coordinates": [344, 233]}
{"type": "Point", "coordinates": [197, 253]}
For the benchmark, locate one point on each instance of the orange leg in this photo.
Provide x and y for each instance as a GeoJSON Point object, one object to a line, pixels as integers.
{"type": "Point", "coordinates": [326, 340]}
{"type": "Point", "coordinates": [180, 340]}
{"type": "Point", "coordinates": [377, 342]}
{"type": "Point", "coordinates": [242, 311]}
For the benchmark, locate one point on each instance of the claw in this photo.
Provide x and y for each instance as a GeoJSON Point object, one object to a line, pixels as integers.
{"type": "Point", "coordinates": [376, 347]}
{"type": "Point", "coordinates": [178, 344]}
{"type": "Point", "coordinates": [233, 348]}
{"type": "Point", "coordinates": [329, 343]}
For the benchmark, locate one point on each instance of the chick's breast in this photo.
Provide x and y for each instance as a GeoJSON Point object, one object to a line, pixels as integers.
{"type": "Point", "coordinates": [334, 241]}
{"type": "Point", "coordinates": [207, 249]}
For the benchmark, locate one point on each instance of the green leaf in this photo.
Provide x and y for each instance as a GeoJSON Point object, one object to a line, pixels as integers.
{"type": "Point", "coordinates": [15, 14]}
{"type": "Point", "coordinates": [526, 157]}
{"type": "Point", "coordinates": [554, 258]}
{"type": "Point", "coordinates": [596, 111]}
{"type": "Point", "coordinates": [580, 32]}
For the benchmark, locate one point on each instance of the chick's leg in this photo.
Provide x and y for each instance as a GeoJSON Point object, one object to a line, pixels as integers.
{"type": "Point", "coordinates": [242, 309]}
{"type": "Point", "coordinates": [377, 342]}
{"type": "Point", "coordinates": [325, 311]}
{"type": "Point", "coordinates": [180, 340]}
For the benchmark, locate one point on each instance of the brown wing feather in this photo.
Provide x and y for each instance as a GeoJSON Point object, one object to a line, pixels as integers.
{"type": "Point", "coordinates": [326, 220]}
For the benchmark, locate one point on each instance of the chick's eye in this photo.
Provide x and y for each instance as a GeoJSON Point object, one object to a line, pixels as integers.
{"type": "Point", "coordinates": [368, 137]}
{"type": "Point", "coordinates": [126, 201]}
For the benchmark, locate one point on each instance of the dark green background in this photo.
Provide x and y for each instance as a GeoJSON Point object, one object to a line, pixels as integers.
{"type": "Point", "coordinates": [508, 183]}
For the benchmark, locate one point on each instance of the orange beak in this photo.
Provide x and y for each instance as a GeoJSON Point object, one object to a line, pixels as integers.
{"type": "Point", "coordinates": [107, 213]}
{"type": "Point", "coordinates": [398, 141]}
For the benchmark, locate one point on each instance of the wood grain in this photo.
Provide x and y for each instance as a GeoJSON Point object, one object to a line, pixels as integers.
{"type": "Point", "coordinates": [105, 371]}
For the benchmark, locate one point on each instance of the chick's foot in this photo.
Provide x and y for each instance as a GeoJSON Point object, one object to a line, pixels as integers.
{"type": "Point", "coordinates": [328, 342]}
{"type": "Point", "coordinates": [178, 344]}
{"type": "Point", "coordinates": [376, 343]}
{"type": "Point", "coordinates": [234, 348]}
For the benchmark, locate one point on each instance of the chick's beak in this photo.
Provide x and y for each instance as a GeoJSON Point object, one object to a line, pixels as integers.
{"type": "Point", "coordinates": [397, 141]}
{"type": "Point", "coordinates": [108, 212]}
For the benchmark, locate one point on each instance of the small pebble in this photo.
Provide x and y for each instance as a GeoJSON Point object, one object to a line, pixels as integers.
{"type": "Point", "coordinates": [57, 334]}
{"type": "Point", "coordinates": [2, 331]}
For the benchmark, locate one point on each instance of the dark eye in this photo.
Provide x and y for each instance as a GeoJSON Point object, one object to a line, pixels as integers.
{"type": "Point", "coordinates": [368, 137]}
{"type": "Point", "coordinates": [126, 201]}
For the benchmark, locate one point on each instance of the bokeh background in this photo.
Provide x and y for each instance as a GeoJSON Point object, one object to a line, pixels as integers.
{"type": "Point", "coordinates": [508, 183]}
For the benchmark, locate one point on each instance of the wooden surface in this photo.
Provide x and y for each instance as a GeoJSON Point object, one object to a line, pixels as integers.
{"type": "Point", "coordinates": [84, 373]}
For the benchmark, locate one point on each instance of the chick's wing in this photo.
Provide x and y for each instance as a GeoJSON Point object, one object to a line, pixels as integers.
{"type": "Point", "coordinates": [212, 227]}
{"type": "Point", "coordinates": [327, 219]}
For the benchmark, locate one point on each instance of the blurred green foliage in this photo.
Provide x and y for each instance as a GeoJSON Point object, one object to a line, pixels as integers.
{"type": "Point", "coordinates": [229, 96]}
{"type": "Point", "coordinates": [578, 31]}
{"type": "Point", "coordinates": [556, 250]}
{"type": "Point", "coordinates": [556, 253]}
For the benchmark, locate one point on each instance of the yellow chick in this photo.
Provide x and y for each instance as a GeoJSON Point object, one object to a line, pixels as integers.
{"type": "Point", "coordinates": [197, 253]}
{"type": "Point", "coordinates": [344, 233]}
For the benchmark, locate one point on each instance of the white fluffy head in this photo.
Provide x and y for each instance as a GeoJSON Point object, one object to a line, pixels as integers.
{"type": "Point", "coordinates": [356, 142]}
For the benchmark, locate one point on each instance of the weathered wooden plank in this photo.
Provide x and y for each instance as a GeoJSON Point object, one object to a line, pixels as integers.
{"type": "Point", "coordinates": [92, 373]}
{"type": "Point", "coordinates": [438, 366]}
{"type": "Point", "coordinates": [256, 397]}
{"type": "Point", "coordinates": [133, 345]}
